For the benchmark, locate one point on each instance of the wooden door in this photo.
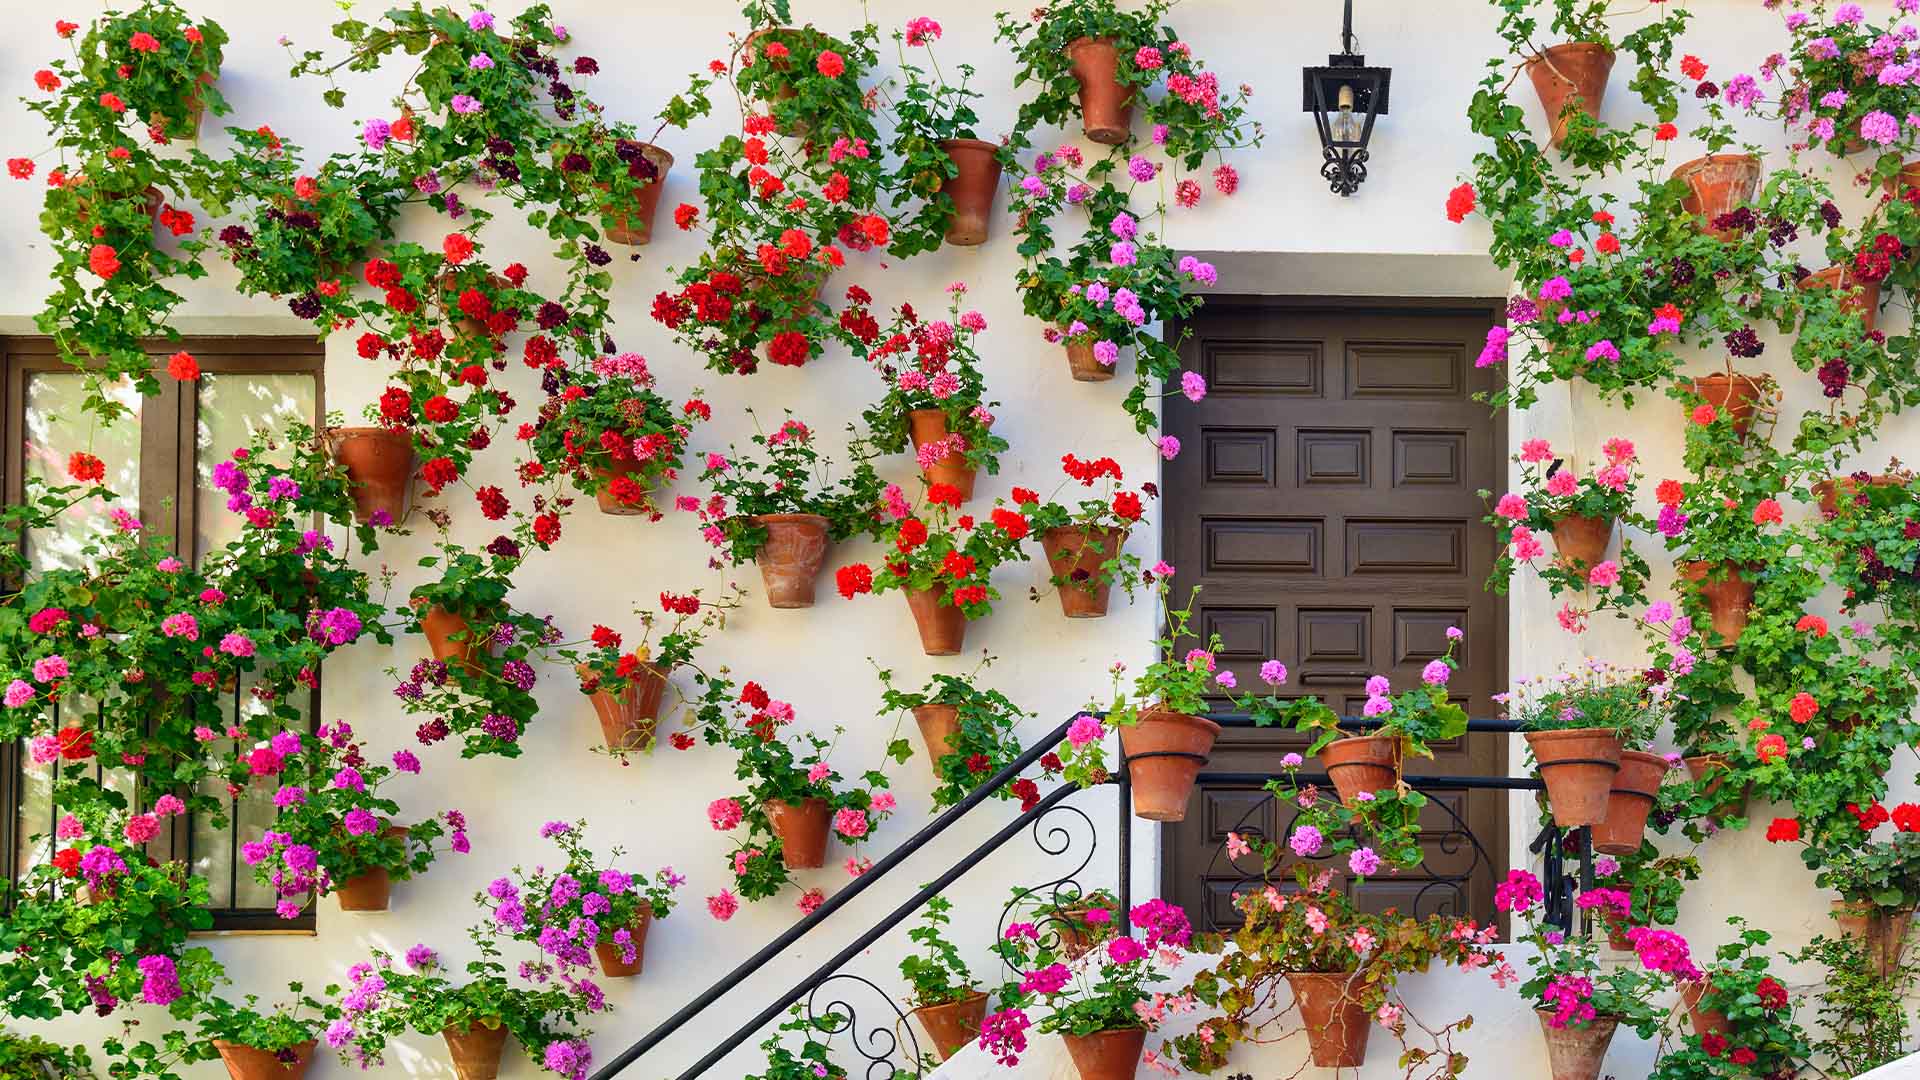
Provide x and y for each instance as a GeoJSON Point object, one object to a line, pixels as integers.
{"type": "Point", "coordinates": [1324, 502]}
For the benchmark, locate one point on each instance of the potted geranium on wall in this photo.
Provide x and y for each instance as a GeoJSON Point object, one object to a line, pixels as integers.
{"type": "Point", "coordinates": [1878, 880]}
{"type": "Point", "coordinates": [1082, 543]}
{"type": "Point", "coordinates": [613, 435]}
{"type": "Point", "coordinates": [1579, 726]}
{"type": "Point", "coordinates": [939, 157]}
{"type": "Point", "coordinates": [277, 1042]}
{"type": "Point", "coordinates": [945, 996]}
{"type": "Point", "coordinates": [1741, 1012]}
{"type": "Point", "coordinates": [968, 731]}
{"type": "Point", "coordinates": [783, 512]}
{"type": "Point", "coordinates": [936, 397]}
{"type": "Point", "coordinates": [585, 908]}
{"type": "Point", "coordinates": [1581, 512]}
{"type": "Point", "coordinates": [626, 685]}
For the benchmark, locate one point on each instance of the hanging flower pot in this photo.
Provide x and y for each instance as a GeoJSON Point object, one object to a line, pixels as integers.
{"type": "Point", "coordinates": [972, 191]}
{"type": "Point", "coordinates": [1880, 932]}
{"type": "Point", "coordinates": [938, 725]}
{"type": "Point", "coordinates": [1578, 766]}
{"type": "Point", "coordinates": [1635, 788]}
{"type": "Point", "coordinates": [1364, 763]}
{"type": "Point", "coordinates": [1573, 73]}
{"type": "Point", "coordinates": [196, 106]}
{"type": "Point", "coordinates": [1863, 297]}
{"type": "Point", "coordinates": [1716, 770]}
{"type": "Point", "coordinates": [802, 831]}
{"type": "Point", "coordinates": [1106, 1055]}
{"type": "Point", "coordinates": [476, 1049]}
{"type": "Point", "coordinates": [440, 626]}
{"type": "Point", "coordinates": [1729, 599]}
{"type": "Point", "coordinates": [627, 717]}
{"type": "Point", "coordinates": [1717, 184]}
{"type": "Point", "coordinates": [247, 1063]}
{"type": "Point", "coordinates": [1582, 539]}
{"type": "Point", "coordinates": [632, 225]}
{"type": "Point", "coordinates": [373, 890]}
{"type": "Point", "coordinates": [1908, 176]}
{"type": "Point", "coordinates": [790, 559]}
{"type": "Point", "coordinates": [1164, 752]}
{"type": "Point", "coordinates": [1733, 396]}
{"type": "Point", "coordinates": [1705, 1021]}
{"type": "Point", "coordinates": [379, 463]}
{"type": "Point", "coordinates": [953, 1025]}
{"type": "Point", "coordinates": [1106, 107]}
{"type": "Point", "coordinates": [612, 963]}
{"type": "Point", "coordinates": [1076, 554]}
{"type": "Point", "coordinates": [1336, 1022]}
{"type": "Point", "coordinates": [1617, 938]}
{"type": "Point", "coordinates": [749, 55]}
{"type": "Point", "coordinates": [930, 426]}
{"type": "Point", "coordinates": [1831, 491]}
{"type": "Point", "coordinates": [1575, 1053]}
{"type": "Point", "coordinates": [943, 627]}
{"type": "Point", "coordinates": [1083, 366]}
{"type": "Point", "coordinates": [610, 503]}
{"type": "Point", "coordinates": [1073, 934]}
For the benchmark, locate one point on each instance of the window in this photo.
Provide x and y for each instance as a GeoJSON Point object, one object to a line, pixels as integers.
{"type": "Point", "coordinates": [161, 461]}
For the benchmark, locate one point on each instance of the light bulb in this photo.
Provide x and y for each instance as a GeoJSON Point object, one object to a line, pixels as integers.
{"type": "Point", "coordinates": [1345, 125]}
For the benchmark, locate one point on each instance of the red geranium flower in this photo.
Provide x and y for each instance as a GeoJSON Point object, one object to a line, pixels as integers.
{"type": "Point", "coordinates": [183, 366]}
{"type": "Point", "coordinates": [1906, 817]}
{"type": "Point", "coordinates": [85, 468]}
{"type": "Point", "coordinates": [1783, 830]}
{"type": "Point", "coordinates": [103, 260]}
{"type": "Point", "coordinates": [1460, 203]}
{"type": "Point", "coordinates": [852, 580]}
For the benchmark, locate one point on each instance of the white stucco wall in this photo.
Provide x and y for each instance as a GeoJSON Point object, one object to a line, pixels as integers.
{"type": "Point", "coordinates": [1284, 233]}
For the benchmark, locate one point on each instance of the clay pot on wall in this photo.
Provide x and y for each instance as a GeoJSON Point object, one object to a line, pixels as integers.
{"type": "Point", "coordinates": [1578, 766]}
{"type": "Point", "coordinates": [1729, 596]}
{"type": "Point", "coordinates": [1082, 365]}
{"type": "Point", "coordinates": [1178, 745]}
{"type": "Point", "coordinates": [1880, 932]}
{"type": "Point", "coordinates": [373, 890]}
{"type": "Point", "coordinates": [1635, 789]}
{"type": "Point", "coordinates": [1716, 770]}
{"type": "Point", "coordinates": [1071, 550]}
{"type": "Point", "coordinates": [627, 717]}
{"type": "Point", "coordinates": [1733, 396]}
{"type": "Point", "coordinates": [441, 626]}
{"type": "Point", "coordinates": [605, 498]}
{"type": "Point", "coordinates": [247, 1063]}
{"type": "Point", "coordinates": [1363, 763]}
{"type": "Point", "coordinates": [476, 1050]}
{"type": "Point", "coordinates": [972, 191]}
{"type": "Point", "coordinates": [1576, 1053]}
{"type": "Point", "coordinates": [930, 426]}
{"type": "Point", "coordinates": [1704, 1021]}
{"type": "Point", "coordinates": [1106, 1055]}
{"type": "Point", "coordinates": [1574, 74]}
{"type": "Point", "coordinates": [1833, 492]}
{"type": "Point", "coordinates": [608, 951]}
{"type": "Point", "coordinates": [1581, 539]}
{"type": "Point", "coordinates": [1336, 1023]}
{"type": "Point", "coordinates": [1717, 184]}
{"type": "Point", "coordinates": [1863, 297]}
{"type": "Point", "coordinates": [802, 831]}
{"type": "Point", "coordinates": [790, 559]}
{"type": "Point", "coordinates": [953, 1025]}
{"type": "Point", "coordinates": [379, 464]}
{"type": "Point", "coordinates": [938, 725]}
{"type": "Point", "coordinates": [943, 627]}
{"type": "Point", "coordinates": [1106, 107]}
{"type": "Point", "coordinates": [633, 225]}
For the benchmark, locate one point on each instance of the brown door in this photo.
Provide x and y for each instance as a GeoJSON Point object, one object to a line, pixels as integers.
{"type": "Point", "coordinates": [1324, 502]}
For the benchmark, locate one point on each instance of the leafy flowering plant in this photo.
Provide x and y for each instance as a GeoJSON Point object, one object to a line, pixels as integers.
{"type": "Point", "coordinates": [1762, 1036]}
{"type": "Point", "coordinates": [608, 665]}
{"type": "Point", "coordinates": [1418, 717]}
{"type": "Point", "coordinates": [1552, 492]}
{"type": "Point", "coordinates": [937, 550]}
{"type": "Point", "coordinates": [1108, 988]}
{"type": "Point", "coordinates": [1845, 82]}
{"type": "Point", "coordinates": [814, 1059]}
{"type": "Point", "coordinates": [1595, 694]}
{"type": "Point", "coordinates": [1875, 534]}
{"type": "Point", "coordinates": [583, 903]}
{"type": "Point", "coordinates": [794, 478]}
{"type": "Point", "coordinates": [983, 742]}
{"type": "Point", "coordinates": [928, 111]}
{"type": "Point", "coordinates": [1862, 869]}
{"type": "Point", "coordinates": [1103, 522]}
{"type": "Point", "coordinates": [937, 974]}
{"type": "Point", "coordinates": [613, 434]}
{"type": "Point", "coordinates": [1566, 982]}
{"type": "Point", "coordinates": [934, 364]}
{"type": "Point", "coordinates": [333, 822]}
{"type": "Point", "coordinates": [278, 1029]}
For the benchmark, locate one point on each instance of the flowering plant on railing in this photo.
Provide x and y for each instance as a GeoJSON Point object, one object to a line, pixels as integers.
{"type": "Point", "coordinates": [1101, 523]}
{"type": "Point", "coordinates": [1760, 1036]}
{"type": "Point", "coordinates": [1595, 694]}
{"type": "Point", "coordinates": [934, 364]}
{"type": "Point", "coordinates": [570, 910]}
{"type": "Point", "coordinates": [333, 823]}
{"type": "Point", "coordinates": [1380, 829]}
{"type": "Point", "coordinates": [1552, 496]}
{"type": "Point", "coordinates": [304, 231]}
{"type": "Point", "coordinates": [1845, 83]}
{"type": "Point", "coordinates": [1418, 717]}
{"type": "Point", "coordinates": [1316, 929]}
{"type": "Point", "coordinates": [794, 478]}
{"type": "Point", "coordinates": [1174, 682]}
{"type": "Point", "coordinates": [983, 740]}
{"type": "Point", "coordinates": [927, 112]}
{"type": "Point", "coordinates": [938, 551]}
{"type": "Point", "coordinates": [1109, 988]}
{"type": "Point", "coordinates": [1567, 984]}
{"type": "Point", "coordinates": [384, 1000]}
{"type": "Point", "coordinates": [607, 429]}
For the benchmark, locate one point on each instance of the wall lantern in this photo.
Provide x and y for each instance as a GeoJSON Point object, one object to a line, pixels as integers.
{"type": "Point", "coordinates": [1344, 97]}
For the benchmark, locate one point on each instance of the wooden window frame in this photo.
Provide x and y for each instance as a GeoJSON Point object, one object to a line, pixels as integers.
{"type": "Point", "coordinates": [169, 426]}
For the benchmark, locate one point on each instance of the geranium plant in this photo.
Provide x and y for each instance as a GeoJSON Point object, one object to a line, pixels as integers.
{"type": "Point", "coordinates": [607, 665]}
{"type": "Point", "coordinates": [983, 739]}
{"type": "Point", "coordinates": [1084, 543]}
{"type": "Point", "coordinates": [1554, 498]}
{"type": "Point", "coordinates": [614, 435]}
{"type": "Point", "coordinates": [1418, 717]}
{"type": "Point", "coordinates": [1595, 694]}
{"type": "Point", "coordinates": [1566, 982]}
{"type": "Point", "coordinates": [928, 111]}
{"type": "Point", "coordinates": [937, 974]}
{"type": "Point", "coordinates": [582, 905]}
{"type": "Point", "coordinates": [934, 365]}
{"type": "Point", "coordinates": [796, 477]}
{"type": "Point", "coordinates": [279, 1029]}
{"type": "Point", "coordinates": [940, 552]}
{"type": "Point", "coordinates": [1761, 1037]}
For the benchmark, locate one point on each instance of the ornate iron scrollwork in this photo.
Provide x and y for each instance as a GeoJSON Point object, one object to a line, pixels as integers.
{"type": "Point", "coordinates": [1054, 840]}
{"type": "Point", "coordinates": [878, 1045]}
{"type": "Point", "coordinates": [1344, 170]}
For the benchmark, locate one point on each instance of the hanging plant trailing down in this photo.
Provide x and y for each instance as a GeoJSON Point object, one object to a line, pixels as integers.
{"type": "Point", "coordinates": [940, 161]}
{"type": "Point", "coordinates": [1083, 544]}
{"type": "Point", "coordinates": [936, 400]}
{"type": "Point", "coordinates": [783, 512]}
{"type": "Point", "coordinates": [968, 732]}
{"type": "Point", "coordinates": [616, 437]}
{"type": "Point", "coordinates": [1834, 87]}
{"type": "Point", "coordinates": [627, 687]}
{"type": "Point", "coordinates": [1581, 513]}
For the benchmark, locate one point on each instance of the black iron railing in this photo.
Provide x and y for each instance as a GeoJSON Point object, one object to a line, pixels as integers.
{"type": "Point", "coordinates": [880, 1044]}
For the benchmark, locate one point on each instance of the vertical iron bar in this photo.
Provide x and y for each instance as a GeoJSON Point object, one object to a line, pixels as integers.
{"type": "Point", "coordinates": [1123, 795]}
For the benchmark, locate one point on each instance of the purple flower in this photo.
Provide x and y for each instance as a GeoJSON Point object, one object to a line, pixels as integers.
{"type": "Point", "coordinates": [1273, 673]}
{"type": "Point", "coordinates": [375, 133]}
{"type": "Point", "coordinates": [1306, 841]}
{"type": "Point", "coordinates": [519, 673]}
{"type": "Point", "coordinates": [359, 822]}
{"type": "Point", "coordinates": [480, 20]}
{"type": "Point", "coordinates": [1436, 673]}
{"type": "Point", "coordinates": [1141, 169]}
{"type": "Point", "coordinates": [555, 828]}
{"type": "Point", "coordinates": [406, 761]}
{"type": "Point", "coordinates": [1364, 862]}
{"type": "Point", "coordinates": [504, 728]}
{"type": "Point", "coordinates": [464, 104]}
{"type": "Point", "coordinates": [1879, 127]}
{"type": "Point", "coordinates": [1193, 385]}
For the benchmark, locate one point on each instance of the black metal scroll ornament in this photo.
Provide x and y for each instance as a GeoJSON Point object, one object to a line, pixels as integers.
{"type": "Point", "coordinates": [1054, 840]}
{"type": "Point", "coordinates": [879, 1044]}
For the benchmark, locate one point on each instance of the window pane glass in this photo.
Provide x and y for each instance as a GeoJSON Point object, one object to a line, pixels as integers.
{"type": "Point", "coordinates": [233, 407]}
{"type": "Point", "coordinates": [215, 851]}
{"type": "Point", "coordinates": [56, 427]}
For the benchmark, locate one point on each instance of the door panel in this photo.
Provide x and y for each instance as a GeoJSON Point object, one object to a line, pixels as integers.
{"type": "Point", "coordinates": [1326, 510]}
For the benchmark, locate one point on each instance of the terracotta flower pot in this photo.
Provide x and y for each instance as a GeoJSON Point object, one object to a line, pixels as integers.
{"type": "Point", "coordinates": [1880, 932]}
{"type": "Point", "coordinates": [440, 626]}
{"type": "Point", "coordinates": [1575, 1053]}
{"type": "Point", "coordinates": [1572, 74]}
{"type": "Point", "coordinates": [943, 627]}
{"type": "Point", "coordinates": [953, 1025]}
{"type": "Point", "coordinates": [1581, 539]}
{"type": "Point", "coordinates": [1908, 176]}
{"type": "Point", "coordinates": [1717, 770]}
{"type": "Point", "coordinates": [476, 1050]}
{"type": "Point", "coordinates": [1363, 763]}
{"type": "Point", "coordinates": [1830, 492]}
{"type": "Point", "coordinates": [627, 718]}
{"type": "Point", "coordinates": [1704, 1021]}
{"type": "Point", "coordinates": [1106, 107]}
{"type": "Point", "coordinates": [633, 225]}
{"type": "Point", "coordinates": [608, 951]}
{"type": "Point", "coordinates": [196, 107]}
{"type": "Point", "coordinates": [802, 831]}
{"type": "Point", "coordinates": [247, 1063]}
{"type": "Point", "coordinates": [790, 559]}
{"type": "Point", "coordinates": [608, 503]}
{"type": "Point", "coordinates": [1106, 1055]}
{"type": "Point", "coordinates": [1336, 1023]}
{"type": "Point", "coordinates": [928, 426]}
{"type": "Point", "coordinates": [1578, 766]}
{"type": "Point", "coordinates": [1729, 599]}
{"type": "Point", "coordinates": [1074, 934]}
{"type": "Point", "coordinates": [1083, 366]}
{"type": "Point", "coordinates": [1717, 184]}
{"type": "Point", "coordinates": [972, 191]}
{"type": "Point", "coordinates": [1863, 297]}
{"type": "Point", "coordinates": [1178, 745]}
{"type": "Point", "coordinates": [1733, 396]}
{"type": "Point", "coordinates": [371, 891]}
{"type": "Point", "coordinates": [1076, 554]}
{"type": "Point", "coordinates": [1617, 938]}
{"type": "Point", "coordinates": [379, 464]}
{"type": "Point", "coordinates": [1635, 788]}
{"type": "Point", "coordinates": [938, 725]}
